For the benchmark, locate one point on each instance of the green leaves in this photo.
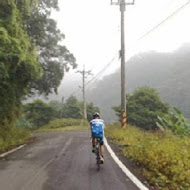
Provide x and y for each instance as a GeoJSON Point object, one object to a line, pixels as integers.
{"type": "Point", "coordinates": [163, 157]}
{"type": "Point", "coordinates": [39, 113]}
{"type": "Point", "coordinates": [143, 107]}
{"type": "Point", "coordinates": [54, 57]}
{"type": "Point", "coordinates": [91, 109]}
{"type": "Point", "coordinates": [18, 65]}
{"type": "Point", "coordinates": [174, 121]}
{"type": "Point", "coordinates": [71, 108]}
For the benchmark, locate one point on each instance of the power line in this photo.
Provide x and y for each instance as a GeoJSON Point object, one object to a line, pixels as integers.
{"type": "Point", "coordinates": [99, 74]}
{"type": "Point", "coordinates": [97, 78]}
{"type": "Point", "coordinates": [163, 21]}
{"type": "Point", "coordinates": [143, 36]}
{"type": "Point", "coordinates": [103, 70]}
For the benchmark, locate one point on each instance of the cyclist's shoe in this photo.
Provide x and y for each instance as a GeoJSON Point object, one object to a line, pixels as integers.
{"type": "Point", "coordinates": [102, 159]}
{"type": "Point", "coordinates": [93, 149]}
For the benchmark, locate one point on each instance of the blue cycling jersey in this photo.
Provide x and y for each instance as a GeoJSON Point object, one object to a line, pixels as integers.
{"type": "Point", "coordinates": [97, 128]}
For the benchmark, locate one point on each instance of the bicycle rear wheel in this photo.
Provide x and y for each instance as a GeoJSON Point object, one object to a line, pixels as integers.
{"type": "Point", "coordinates": [98, 161]}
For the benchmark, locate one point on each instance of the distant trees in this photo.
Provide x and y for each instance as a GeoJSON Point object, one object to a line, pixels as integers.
{"type": "Point", "coordinates": [91, 109]}
{"type": "Point", "coordinates": [143, 107]}
{"type": "Point", "coordinates": [74, 109]}
{"type": "Point", "coordinates": [39, 113]}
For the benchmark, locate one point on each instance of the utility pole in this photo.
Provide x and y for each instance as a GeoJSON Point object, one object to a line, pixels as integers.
{"type": "Point", "coordinates": [84, 93]}
{"type": "Point", "coordinates": [84, 73]}
{"type": "Point", "coordinates": [122, 4]}
{"type": "Point", "coordinates": [62, 100]}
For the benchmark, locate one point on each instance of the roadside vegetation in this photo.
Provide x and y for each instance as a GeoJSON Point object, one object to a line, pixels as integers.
{"type": "Point", "coordinates": [39, 116]}
{"type": "Point", "coordinates": [159, 143]}
{"type": "Point", "coordinates": [33, 60]}
{"type": "Point", "coordinates": [163, 157]}
{"type": "Point", "coordinates": [27, 33]}
{"type": "Point", "coordinates": [15, 138]}
{"type": "Point", "coordinates": [65, 124]}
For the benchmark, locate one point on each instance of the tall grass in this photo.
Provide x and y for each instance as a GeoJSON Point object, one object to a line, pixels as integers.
{"type": "Point", "coordinates": [165, 158]}
{"type": "Point", "coordinates": [65, 124]}
{"type": "Point", "coordinates": [15, 137]}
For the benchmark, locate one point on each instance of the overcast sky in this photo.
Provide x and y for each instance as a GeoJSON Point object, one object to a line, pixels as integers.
{"type": "Point", "coordinates": [92, 29]}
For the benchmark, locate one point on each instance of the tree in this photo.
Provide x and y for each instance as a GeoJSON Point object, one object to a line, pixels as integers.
{"type": "Point", "coordinates": [39, 113]}
{"type": "Point", "coordinates": [143, 107]}
{"type": "Point", "coordinates": [18, 64]}
{"type": "Point", "coordinates": [91, 109]}
{"type": "Point", "coordinates": [57, 106]}
{"type": "Point", "coordinates": [55, 58]}
{"type": "Point", "coordinates": [174, 121]}
{"type": "Point", "coordinates": [72, 108]}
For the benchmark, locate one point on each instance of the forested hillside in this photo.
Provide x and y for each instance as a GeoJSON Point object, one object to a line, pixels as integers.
{"type": "Point", "coordinates": [167, 72]}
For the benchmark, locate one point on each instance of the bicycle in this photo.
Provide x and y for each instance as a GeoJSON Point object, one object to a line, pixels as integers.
{"type": "Point", "coordinates": [97, 152]}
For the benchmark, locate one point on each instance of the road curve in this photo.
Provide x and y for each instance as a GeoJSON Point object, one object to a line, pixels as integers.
{"type": "Point", "coordinates": [60, 161]}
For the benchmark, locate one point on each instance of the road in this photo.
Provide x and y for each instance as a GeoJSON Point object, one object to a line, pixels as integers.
{"type": "Point", "coordinates": [60, 161]}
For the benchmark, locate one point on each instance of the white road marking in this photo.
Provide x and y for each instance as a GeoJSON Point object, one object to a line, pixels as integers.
{"type": "Point", "coordinates": [6, 153]}
{"type": "Point", "coordinates": [124, 169]}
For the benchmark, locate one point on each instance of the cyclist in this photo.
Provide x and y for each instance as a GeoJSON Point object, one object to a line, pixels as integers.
{"type": "Point", "coordinates": [97, 131]}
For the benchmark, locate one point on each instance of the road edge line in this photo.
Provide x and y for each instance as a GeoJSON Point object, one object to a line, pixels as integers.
{"type": "Point", "coordinates": [133, 178]}
{"type": "Point", "coordinates": [11, 151]}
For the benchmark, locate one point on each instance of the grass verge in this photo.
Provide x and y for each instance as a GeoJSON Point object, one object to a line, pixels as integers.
{"type": "Point", "coordinates": [16, 137]}
{"type": "Point", "coordinates": [163, 157]}
{"type": "Point", "coordinates": [65, 124]}
{"type": "Point", "coordinates": [73, 128]}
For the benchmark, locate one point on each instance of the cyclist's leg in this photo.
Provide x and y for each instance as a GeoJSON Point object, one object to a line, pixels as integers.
{"type": "Point", "coordinates": [102, 149]}
{"type": "Point", "coordinates": [93, 144]}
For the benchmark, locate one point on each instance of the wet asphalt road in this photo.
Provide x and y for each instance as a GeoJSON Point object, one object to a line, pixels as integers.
{"type": "Point", "coordinates": [60, 161]}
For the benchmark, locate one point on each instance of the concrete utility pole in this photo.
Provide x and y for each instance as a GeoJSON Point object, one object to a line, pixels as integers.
{"type": "Point", "coordinates": [62, 100]}
{"type": "Point", "coordinates": [122, 4]}
{"type": "Point", "coordinates": [84, 73]}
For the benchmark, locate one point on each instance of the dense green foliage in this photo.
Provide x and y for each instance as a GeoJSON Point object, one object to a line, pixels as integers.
{"type": "Point", "coordinates": [72, 109]}
{"type": "Point", "coordinates": [174, 121]}
{"type": "Point", "coordinates": [55, 58]}
{"type": "Point", "coordinates": [91, 109]}
{"type": "Point", "coordinates": [15, 137]}
{"type": "Point", "coordinates": [18, 64]}
{"type": "Point", "coordinates": [32, 58]}
{"type": "Point", "coordinates": [65, 124]}
{"type": "Point", "coordinates": [163, 157]}
{"type": "Point", "coordinates": [143, 108]}
{"type": "Point", "coordinates": [39, 113]}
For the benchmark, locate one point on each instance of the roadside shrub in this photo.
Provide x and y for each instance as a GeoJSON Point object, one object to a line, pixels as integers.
{"type": "Point", "coordinates": [164, 157]}
{"type": "Point", "coordinates": [59, 123]}
{"type": "Point", "coordinates": [22, 122]}
{"type": "Point", "coordinates": [15, 137]}
{"type": "Point", "coordinates": [143, 107]}
{"type": "Point", "coordinates": [176, 122]}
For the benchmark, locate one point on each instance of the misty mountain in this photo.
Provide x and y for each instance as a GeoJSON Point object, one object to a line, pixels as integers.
{"type": "Point", "coordinates": [167, 72]}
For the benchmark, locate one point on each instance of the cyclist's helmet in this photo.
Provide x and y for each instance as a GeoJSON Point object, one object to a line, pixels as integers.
{"type": "Point", "coordinates": [96, 115]}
